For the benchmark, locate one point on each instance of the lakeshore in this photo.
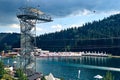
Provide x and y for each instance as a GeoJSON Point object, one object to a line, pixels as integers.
{"type": "Point", "coordinates": [89, 66]}
{"type": "Point", "coordinates": [45, 53]}
{"type": "Point", "coordinates": [115, 56]}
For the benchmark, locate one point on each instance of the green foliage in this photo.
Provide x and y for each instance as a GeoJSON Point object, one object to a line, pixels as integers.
{"type": "Point", "coordinates": [14, 57]}
{"type": "Point", "coordinates": [20, 74]}
{"type": "Point", "coordinates": [9, 40]}
{"type": "Point", "coordinates": [108, 76]}
{"type": "Point", "coordinates": [43, 78]}
{"type": "Point", "coordinates": [7, 47]}
{"type": "Point", "coordinates": [4, 74]}
{"type": "Point", "coordinates": [2, 71]}
{"type": "Point", "coordinates": [7, 77]}
{"type": "Point", "coordinates": [67, 48]}
{"type": "Point", "coordinates": [61, 79]}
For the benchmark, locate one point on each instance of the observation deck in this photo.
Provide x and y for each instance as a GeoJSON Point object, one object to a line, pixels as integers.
{"type": "Point", "coordinates": [30, 13]}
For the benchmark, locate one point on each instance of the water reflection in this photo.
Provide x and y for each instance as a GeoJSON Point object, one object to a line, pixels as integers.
{"type": "Point", "coordinates": [68, 67]}
{"type": "Point", "coordinates": [99, 61]}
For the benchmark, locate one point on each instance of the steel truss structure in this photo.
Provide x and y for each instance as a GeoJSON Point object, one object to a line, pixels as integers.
{"type": "Point", "coordinates": [28, 17]}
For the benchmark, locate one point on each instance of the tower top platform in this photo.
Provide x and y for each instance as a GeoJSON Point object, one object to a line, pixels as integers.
{"type": "Point", "coordinates": [31, 13]}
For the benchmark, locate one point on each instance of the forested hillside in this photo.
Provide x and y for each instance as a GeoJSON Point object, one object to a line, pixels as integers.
{"type": "Point", "coordinates": [102, 35]}
{"type": "Point", "coordinates": [9, 41]}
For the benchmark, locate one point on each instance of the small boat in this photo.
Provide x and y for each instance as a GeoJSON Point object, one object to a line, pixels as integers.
{"type": "Point", "coordinates": [15, 62]}
{"type": "Point", "coordinates": [98, 77]}
{"type": "Point", "coordinates": [78, 74]}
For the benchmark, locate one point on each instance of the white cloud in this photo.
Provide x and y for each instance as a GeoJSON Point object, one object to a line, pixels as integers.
{"type": "Point", "coordinates": [15, 26]}
{"type": "Point", "coordinates": [86, 12]}
{"type": "Point", "coordinates": [39, 29]}
{"type": "Point", "coordinates": [76, 25]}
{"type": "Point", "coordinates": [58, 27]}
{"type": "Point", "coordinates": [112, 12]}
{"type": "Point", "coordinates": [107, 13]}
{"type": "Point", "coordinates": [83, 12]}
{"type": "Point", "coordinates": [8, 31]}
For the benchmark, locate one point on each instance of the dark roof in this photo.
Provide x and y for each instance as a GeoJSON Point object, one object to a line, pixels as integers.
{"type": "Point", "coordinates": [32, 75]}
{"type": "Point", "coordinates": [35, 76]}
{"type": "Point", "coordinates": [29, 72]}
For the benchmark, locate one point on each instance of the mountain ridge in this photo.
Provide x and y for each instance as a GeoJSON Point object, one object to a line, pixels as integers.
{"type": "Point", "coordinates": [101, 35]}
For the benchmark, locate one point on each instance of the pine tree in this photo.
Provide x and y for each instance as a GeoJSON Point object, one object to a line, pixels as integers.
{"type": "Point", "coordinates": [108, 76]}
{"type": "Point", "coordinates": [2, 71]}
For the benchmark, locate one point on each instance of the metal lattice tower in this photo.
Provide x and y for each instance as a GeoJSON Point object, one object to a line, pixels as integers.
{"type": "Point", "coordinates": [28, 17]}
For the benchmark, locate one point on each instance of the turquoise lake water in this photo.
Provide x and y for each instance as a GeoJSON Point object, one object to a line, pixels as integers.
{"type": "Point", "coordinates": [68, 67]}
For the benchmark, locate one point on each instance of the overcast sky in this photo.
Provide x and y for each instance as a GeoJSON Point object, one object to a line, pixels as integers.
{"type": "Point", "coordinates": [65, 13]}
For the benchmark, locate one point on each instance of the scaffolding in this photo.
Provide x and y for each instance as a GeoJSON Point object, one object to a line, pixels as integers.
{"type": "Point", "coordinates": [28, 17]}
